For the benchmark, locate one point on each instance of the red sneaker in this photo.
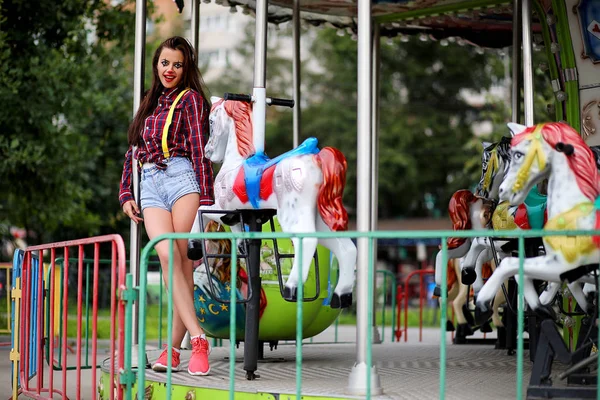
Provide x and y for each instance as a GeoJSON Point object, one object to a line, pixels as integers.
{"type": "Point", "coordinates": [199, 361]}
{"type": "Point", "coordinates": [162, 364]}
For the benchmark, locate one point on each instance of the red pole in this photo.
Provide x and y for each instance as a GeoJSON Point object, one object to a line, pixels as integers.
{"type": "Point", "coordinates": [51, 322]}
{"type": "Point", "coordinates": [64, 316]}
{"type": "Point", "coordinates": [27, 301]}
{"type": "Point", "coordinates": [79, 315]}
{"type": "Point", "coordinates": [406, 289]}
{"type": "Point", "coordinates": [40, 317]}
{"type": "Point", "coordinates": [113, 309]}
{"type": "Point", "coordinates": [121, 326]}
{"type": "Point", "coordinates": [95, 314]}
{"type": "Point", "coordinates": [421, 307]}
{"type": "Point", "coordinates": [399, 297]}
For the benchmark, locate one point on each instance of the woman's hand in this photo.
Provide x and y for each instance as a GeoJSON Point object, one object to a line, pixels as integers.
{"type": "Point", "coordinates": [131, 209]}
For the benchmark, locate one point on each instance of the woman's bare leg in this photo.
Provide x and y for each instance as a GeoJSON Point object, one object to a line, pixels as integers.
{"type": "Point", "coordinates": [158, 222]}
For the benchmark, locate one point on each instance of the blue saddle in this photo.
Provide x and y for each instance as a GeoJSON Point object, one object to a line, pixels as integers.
{"type": "Point", "coordinates": [255, 166]}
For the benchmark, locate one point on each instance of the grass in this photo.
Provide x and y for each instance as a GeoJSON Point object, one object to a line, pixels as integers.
{"type": "Point", "coordinates": [430, 317]}
{"type": "Point", "coordinates": [152, 321]}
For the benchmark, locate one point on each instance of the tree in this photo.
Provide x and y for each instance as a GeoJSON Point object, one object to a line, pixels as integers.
{"type": "Point", "coordinates": [427, 147]}
{"type": "Point", "coordinates": [65, 69]}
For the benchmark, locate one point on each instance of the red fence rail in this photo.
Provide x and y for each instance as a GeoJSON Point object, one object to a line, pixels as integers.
{"type": "Point", "coordinates": [34, 296]}
{"type": "Point", "coordinates": [403, 300]}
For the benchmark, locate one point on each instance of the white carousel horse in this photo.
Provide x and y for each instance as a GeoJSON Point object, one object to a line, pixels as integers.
{"type": "Point", "coordinates": [556, 152]}
{"type": "Point", "coordinates": [305, 186]}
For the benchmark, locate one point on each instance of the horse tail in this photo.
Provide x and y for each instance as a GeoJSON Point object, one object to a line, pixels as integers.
{"type": "Point", "coordinates": [329, 200]}
{"type": "Point", "coordinates": [458, 208]}
{"type": "Point", "coordinates": [486, 270]}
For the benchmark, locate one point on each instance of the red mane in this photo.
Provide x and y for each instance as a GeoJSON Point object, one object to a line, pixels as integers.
{"type": "Point", "coordinates": [458, 208]}
{"type": "Point", "coordinates": [241, 112]}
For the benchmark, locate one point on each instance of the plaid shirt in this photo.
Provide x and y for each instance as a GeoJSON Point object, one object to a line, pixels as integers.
{"type": "Point", "coordinates": [188, 134]}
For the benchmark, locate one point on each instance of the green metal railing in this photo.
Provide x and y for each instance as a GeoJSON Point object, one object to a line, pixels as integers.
{"type": "Point", "coordinates": [520, 235]}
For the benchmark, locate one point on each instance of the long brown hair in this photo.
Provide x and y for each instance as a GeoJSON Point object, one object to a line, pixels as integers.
{"type": "Point", "coordinates": [191, 78]}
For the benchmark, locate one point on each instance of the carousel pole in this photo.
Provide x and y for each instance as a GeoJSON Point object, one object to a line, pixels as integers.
{"type": "Point", "coordinates": [376, 49]}
{"type": "Point", "coordinates": [195, 40]}
{"type": "Point", "coordinates": [255, 220]}
{"type": "Point", "coordinates": [516, 65]}
{"type": "Point", "coordinates": [527, 63]}
{"type": "Point", "coordinates": [195, 25]}
{"type": "Point", "coordinates": [359, 384]}
{"type": "Point", "coordinates": [296, 72]}
{"type": "Point", "coordinates": [138, 91]}
{"type": "Point", "coordinates": [259, 92]}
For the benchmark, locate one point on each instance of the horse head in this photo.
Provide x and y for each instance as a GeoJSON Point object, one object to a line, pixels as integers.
{"type": "Point", "coordinates": [495, 160]}
{"type": "Point", "coordinates": [220, 127]}
{"type": "Point", "coordinates": [535, 149]}
{"type": "Point", "coordinates": [230, 124]}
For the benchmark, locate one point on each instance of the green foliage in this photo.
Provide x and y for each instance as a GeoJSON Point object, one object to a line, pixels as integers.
{"type": "Point", "coordinates": [427, 148]}
{"type": "Point", "coordinates": [65, 71]}
{"type": "Point", "coordinates": [66, 74]}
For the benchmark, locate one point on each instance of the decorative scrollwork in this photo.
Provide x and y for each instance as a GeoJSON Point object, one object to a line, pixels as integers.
{"type": "Point", "coordinates": [588, 126]}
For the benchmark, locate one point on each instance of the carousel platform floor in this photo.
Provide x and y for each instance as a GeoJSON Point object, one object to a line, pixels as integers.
{"type": "Point", "coordinates": [407, 370]}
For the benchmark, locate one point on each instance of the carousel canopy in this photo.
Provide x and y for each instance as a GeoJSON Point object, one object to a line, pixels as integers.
{"type": "Point", "coordinates": [486, 23]}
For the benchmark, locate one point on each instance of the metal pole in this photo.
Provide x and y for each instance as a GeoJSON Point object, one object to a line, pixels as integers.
{"type": "Point", "coordinates": [194, 25]}
{"type": "Point", "coordinates": [376, 48]}
{"type": "Point", "coordinates": [296, 71]}
{"type": "Point", "coordinates": [138, 91]}
{"type": "Point", "coordinates": [527, 62]}
{"type": "Point", "coordinates": [358, 376]}
{"type": "Point", "coordinates": [516, 64]}
{"type": "Point", "coordinates": [260, 74]}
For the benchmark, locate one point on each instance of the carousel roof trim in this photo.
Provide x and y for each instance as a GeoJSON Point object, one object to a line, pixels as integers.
{"type": "Point", "coordinates": [484, 23]}
{"type": "Point", "coordinates": [442, 9]}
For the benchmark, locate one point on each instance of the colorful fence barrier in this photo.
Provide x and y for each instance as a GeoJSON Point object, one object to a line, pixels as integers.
{"type": "Point", "coordinates": [31, 325]}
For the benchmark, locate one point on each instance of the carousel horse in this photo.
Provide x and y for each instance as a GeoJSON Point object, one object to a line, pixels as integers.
{"type": "Point", "coordinates": [474, 211]}
{"type": "Point", "coordinates": [470, 211]}
{"type": "Point", "coordinates": [304, 185]}
{"type": "Point", "coordinates": [556, 152]}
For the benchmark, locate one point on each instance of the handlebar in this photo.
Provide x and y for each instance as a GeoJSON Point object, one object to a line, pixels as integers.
{"type": "Point", "coordinates": [238, 97]}
{"type": "Point", "coordinates": [271, 101]}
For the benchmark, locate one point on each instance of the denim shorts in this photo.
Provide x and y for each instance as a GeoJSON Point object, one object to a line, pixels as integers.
{"type": "Point", "coordinates": [161, 188]}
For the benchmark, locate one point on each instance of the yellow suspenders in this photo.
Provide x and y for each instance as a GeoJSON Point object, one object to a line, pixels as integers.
{"type": "Point", "coordinates": [165, 134]}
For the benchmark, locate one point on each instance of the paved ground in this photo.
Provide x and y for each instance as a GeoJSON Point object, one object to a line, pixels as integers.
{"type": "Point", "coordinates": [406, 370]}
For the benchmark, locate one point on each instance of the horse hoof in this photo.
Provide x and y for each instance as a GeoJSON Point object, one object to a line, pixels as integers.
{"type": "Point", "coordinates": [468, 276]}
{"type": "Point", "coordinates": [290, 294]}
{"type": "Point", "coordinates": [343, 301]}
{"type": "Point", "coordinates": [194, 251]}
{"type": "Point", "coordinates": [483, 313]}
{"type": "Point", "coordinates": [464, 330]}
{"type": "Point", "coordinates": [437, 291]}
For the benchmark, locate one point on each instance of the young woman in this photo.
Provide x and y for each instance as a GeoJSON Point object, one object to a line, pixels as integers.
{"type": "Point", "coordinates": [170, 130]}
